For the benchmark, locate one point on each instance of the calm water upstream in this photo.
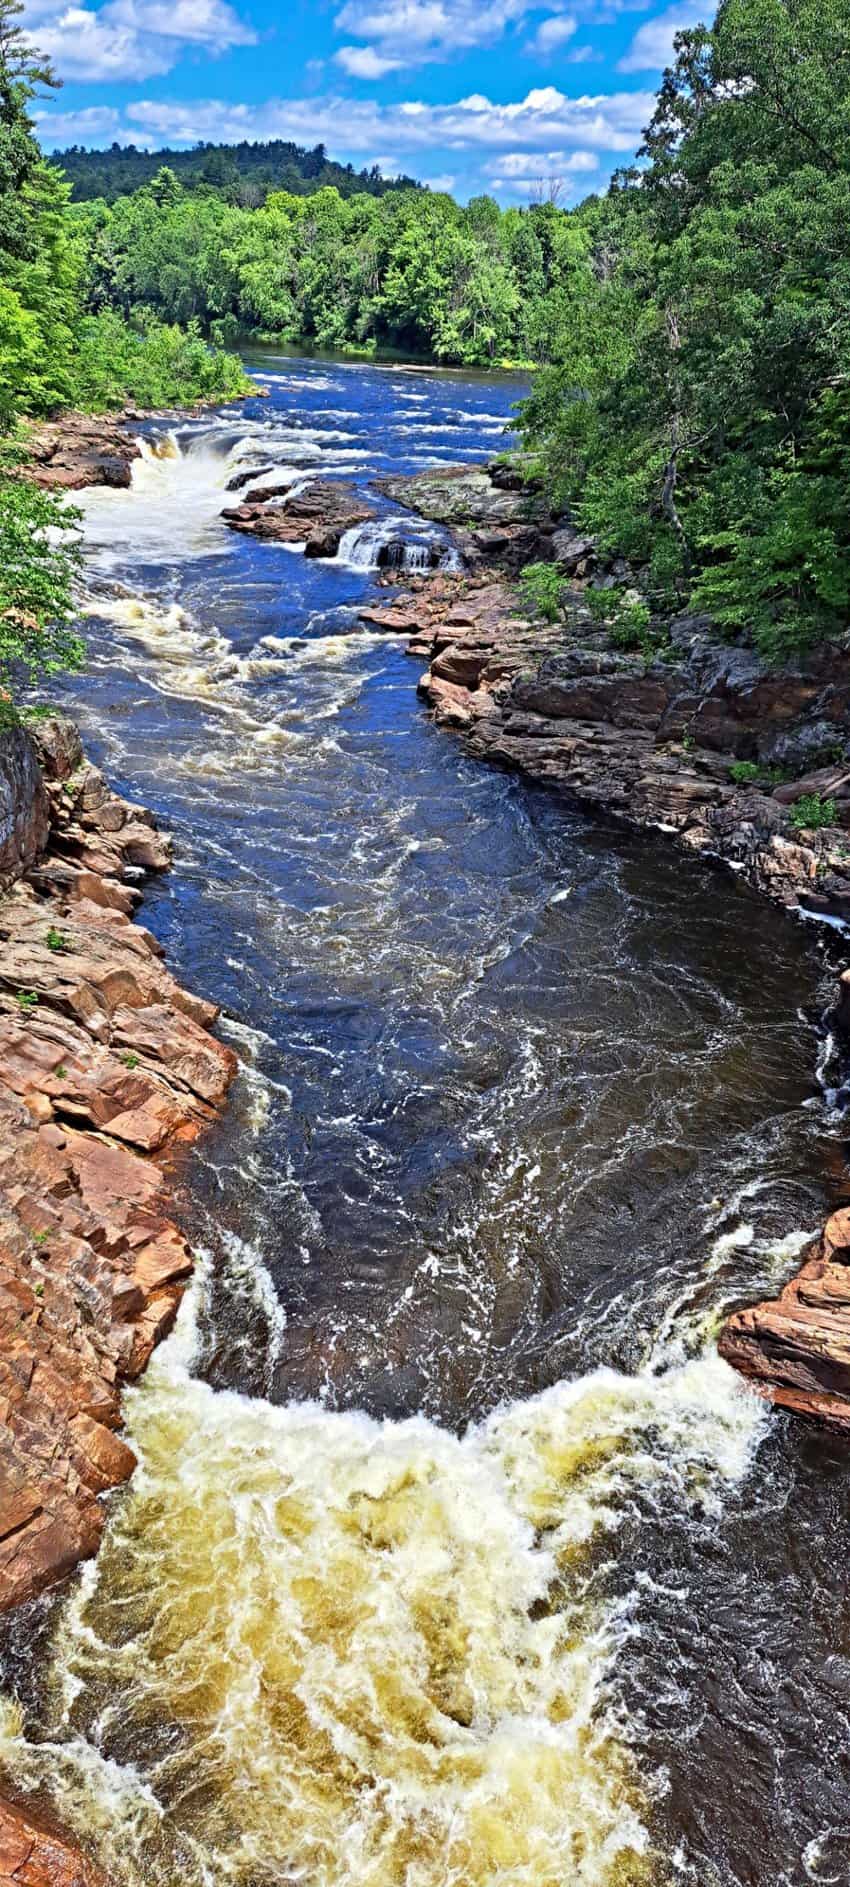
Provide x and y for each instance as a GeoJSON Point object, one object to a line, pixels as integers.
{"type": "Point", "coordinates": [456, 1558]}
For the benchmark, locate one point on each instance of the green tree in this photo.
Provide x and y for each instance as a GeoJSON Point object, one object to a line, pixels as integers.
{"type": "Point", "coordinates": [39, 558]}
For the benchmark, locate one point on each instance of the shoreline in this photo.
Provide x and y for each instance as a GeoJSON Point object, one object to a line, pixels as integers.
{"type": "Point", "coordinates": [111, 1072]}
{"type": "Point", "coordinates": [108, 1073]}
{"type": "Point", "coordinates": [654, 744]}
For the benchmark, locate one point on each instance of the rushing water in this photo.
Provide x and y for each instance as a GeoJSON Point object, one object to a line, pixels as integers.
{"type": "Point", "coordinates": [455, 1558]}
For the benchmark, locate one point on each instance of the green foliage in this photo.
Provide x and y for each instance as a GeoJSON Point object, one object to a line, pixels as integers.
{"type": "Point", "coordinates": [542, 586]}
{"type": "Point", "coordinates": [130, 1060]}
{"type": "Point", "coordinates": [39, 558]}
{"type": "Point", "coordinates": [54, 352]}
{"type": "Point", "coordinates": [811, 812]}
{"type": "Point", "coordinates": [152, 363]}
{"type": "Point", "coordinates": [240, 173]}
{"type": "Point", "coordinates": [410, 269]}
{"type": "Point", "coordinates": [752, 773]}
{"type": "Point", "coordinates": [696, 410]}
{"type": "Point", "coordinates": [56, 941]}
{"type": "Point", "coordinates": [627, 618]}
{"type": "Point", "coordinates": [27, 1001]}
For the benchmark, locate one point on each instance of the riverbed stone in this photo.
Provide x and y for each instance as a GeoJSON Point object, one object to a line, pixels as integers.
{"type": "Point", "coordinates": [317, 516]}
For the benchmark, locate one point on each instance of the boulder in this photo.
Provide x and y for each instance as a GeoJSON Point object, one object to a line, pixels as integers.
{"type": "Point", "coordinates": [316, 516]}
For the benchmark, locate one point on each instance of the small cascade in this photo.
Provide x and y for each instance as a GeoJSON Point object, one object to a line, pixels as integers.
{"type": "Point", "coordinates": [382, 546]}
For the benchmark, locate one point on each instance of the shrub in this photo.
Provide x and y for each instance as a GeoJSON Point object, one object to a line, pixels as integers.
{"type": "Point", "coordinates": [39, 558]}
{"type": "Point", "coordinates": [628, 620]}
{"type": "Point", "coordinates": [812, 812]}
{"type": "Point", "coordinates": [153, 363]}
{"type": "Point", "coordinates": [543, 586]}
{"type": "Point", "coordinates": [752, 773]}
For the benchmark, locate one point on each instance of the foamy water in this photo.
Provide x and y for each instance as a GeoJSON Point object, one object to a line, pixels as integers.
{"type": "Point", "coordinates": [354, 1652]}
{"type": "Point", "coordinates": [455, 1558]}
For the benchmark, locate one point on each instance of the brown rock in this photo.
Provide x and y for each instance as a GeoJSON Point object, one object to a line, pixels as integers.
{"type": "Point", "coordinates": [107, 1062]}
{"type": "Point", "coordinates": [32, 1856]}
{"type": "Point", "coordinates": [318, 516]}
{"type": "Point", "coordinates": [80, 450]}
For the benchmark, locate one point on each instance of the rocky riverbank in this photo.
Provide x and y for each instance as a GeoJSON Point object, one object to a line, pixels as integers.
{"type": "Point", "coordinates": [108, 1070]}
{"type": "Point", "coordinates": [698, 740]}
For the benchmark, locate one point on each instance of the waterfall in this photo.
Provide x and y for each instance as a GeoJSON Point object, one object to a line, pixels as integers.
{"type": "Point", "coordinates": [381, 545]}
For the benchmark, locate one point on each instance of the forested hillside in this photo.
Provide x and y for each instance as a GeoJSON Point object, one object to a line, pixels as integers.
{"type": "Point", "coordinates": [697, 411]}
{"type": "Point", "coordinates": [241, 173]}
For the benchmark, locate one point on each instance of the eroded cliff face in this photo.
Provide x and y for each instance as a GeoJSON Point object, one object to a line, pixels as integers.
{"type": "Point", "coordinates": [24, 820]}
{"type": "Point", "coordinates": [107, 1069]}
{"type": "Point", "coordinates": [106, 1066]}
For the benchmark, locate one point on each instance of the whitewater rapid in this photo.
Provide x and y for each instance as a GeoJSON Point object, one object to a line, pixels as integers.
{"type": "Point", "coordinates": [438, 1566]}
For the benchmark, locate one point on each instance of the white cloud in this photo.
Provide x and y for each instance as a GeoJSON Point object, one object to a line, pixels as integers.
{"type": "Point", "coordinates": [132, 39]}
{"type": "Point", "coordinates": [552, 34]}
{"type": "Point", "coordinates": [520, 163]}
{"type": "Point", "coordinates": [363, 62]}
{"type": "Point", "coordinates": [544, 122]}
{"type": "Point", "coordinates": [414, 32]}
{"type": "Point", "coordinates": [441, 185]}
{"type": "Point", "coordinates": [652, 47]}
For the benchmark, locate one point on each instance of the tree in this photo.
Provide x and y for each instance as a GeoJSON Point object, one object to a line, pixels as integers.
{"type": "Point", "coordinates": [39, 558]}
{"type": "Point", "coordinates": [697, 415]}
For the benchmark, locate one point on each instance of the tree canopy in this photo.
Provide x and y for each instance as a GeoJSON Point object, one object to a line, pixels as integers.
{"type": "Point", "coordinates": [242, 173]}
{"type": "Point", "coordinates": [696, 409]}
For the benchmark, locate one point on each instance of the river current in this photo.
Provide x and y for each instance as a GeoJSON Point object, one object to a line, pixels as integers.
{"type": "Point", "coordinates": [455, 1558]}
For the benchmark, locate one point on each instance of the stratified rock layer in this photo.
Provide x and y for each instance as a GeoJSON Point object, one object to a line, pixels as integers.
{"type": "Point", "coordinates": [795, 1349]}
{"type": "Point", "coordinates": [649, 740]}
{"type": "Point", "coordinates": [494, 516]}
{"type": "Point", "coordinates": [82, 449]}
{"type": "Point", "coordinates": [105, 1063]}
{"type": "Point", "coordinates": [317, 516]}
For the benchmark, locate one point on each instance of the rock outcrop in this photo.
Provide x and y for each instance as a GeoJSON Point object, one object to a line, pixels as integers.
{"type": "Point", "coordinates": [31, 1856]}
{"type": "Point", "coordinates": [317, 516]}
{"type": "Point", "coordinates": [496, 518]}
{"type": "Point", "coordinates": [24, 822]}
{"type": "Point", "coordinates": [696, 739]}
{"type": "Point", "coordinates": [655, 740]}
{"type": "Point", "coordinates": [106, 1067]}
{"type": "Point", "coordinates": [795, 1349]}
{"type": "Point", "coordinates": [82, 449]}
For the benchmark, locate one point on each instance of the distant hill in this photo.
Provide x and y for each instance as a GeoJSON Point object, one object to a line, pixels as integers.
{"type": "Point", "coordinates": [242, 173]}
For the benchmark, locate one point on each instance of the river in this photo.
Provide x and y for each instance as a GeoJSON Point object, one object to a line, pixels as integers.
{"type": "Point", "coordinates": [455, 1557]}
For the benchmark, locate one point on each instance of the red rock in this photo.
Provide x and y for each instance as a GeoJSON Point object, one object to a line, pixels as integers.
{"type": "Point", "coordinates": [31, 1855]}
{"type": "Point", "coordinates": [317, 516]}
{"type": "Point", "coordinates": [112, 1063]}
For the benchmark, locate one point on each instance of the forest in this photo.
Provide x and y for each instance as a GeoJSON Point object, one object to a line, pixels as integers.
{"type": "Point", "coordinates": [244, 173]}
{"type": "Point", "coordinates": [689, 331]}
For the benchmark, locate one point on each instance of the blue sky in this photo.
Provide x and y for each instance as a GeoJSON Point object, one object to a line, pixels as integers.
{"type": "Point", "coordinates": [467, 95]}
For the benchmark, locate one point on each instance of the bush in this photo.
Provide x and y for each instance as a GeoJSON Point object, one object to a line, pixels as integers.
{"type": "Point", "coordinates": [39, 558]}
{"type": "Point", "coordinates": [752, 773]}
{"type": "Point", "coordinates": [543, 586]}
{"type": "Point", "coordinates": [811, 812]}
{"type": "Point", "coordinates": [151, 363]}
{"type": "Point", "coordinates": [628, 620]}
